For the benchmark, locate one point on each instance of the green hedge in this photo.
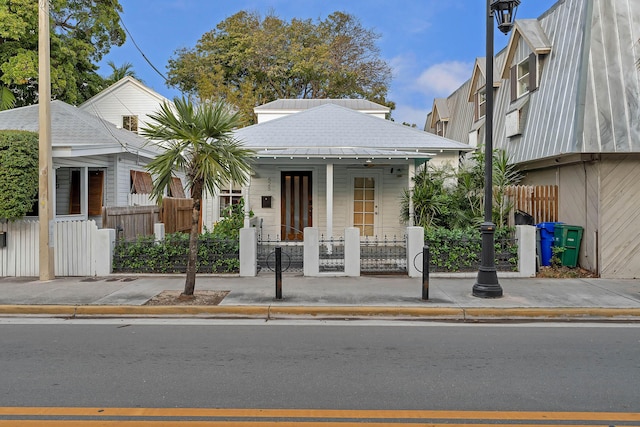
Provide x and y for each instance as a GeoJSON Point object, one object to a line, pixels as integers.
{"type": "Point", "coordinates": [144, 255]}
{"type": "Point", "coordinates": [459, 249]}
{"type": "Point", "coordinates": [18, 173]}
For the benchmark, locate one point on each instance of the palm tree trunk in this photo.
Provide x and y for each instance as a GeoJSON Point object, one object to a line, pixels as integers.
{"type": "Point", "coordinates": [190, 282]}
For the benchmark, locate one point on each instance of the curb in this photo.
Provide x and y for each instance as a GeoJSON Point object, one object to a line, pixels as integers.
{"type": "Point", "coordinates": [329, 312]}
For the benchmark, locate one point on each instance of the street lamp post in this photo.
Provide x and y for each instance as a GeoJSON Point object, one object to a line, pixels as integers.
{"type": "Point", "coordinates": [487, 285]}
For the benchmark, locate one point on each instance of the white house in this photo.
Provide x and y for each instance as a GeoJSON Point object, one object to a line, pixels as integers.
{"type": "Point", "coordinates": [94, 161]}
{"type": "Point", "coordinates": [329, 165]}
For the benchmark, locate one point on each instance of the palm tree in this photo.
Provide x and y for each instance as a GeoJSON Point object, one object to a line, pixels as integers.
{"type": "Point", "coordinates": [7, 98]}
{"type": "Point", "coordinates": [119, 73]}
{"type": "Point", "coordinates": [198, 140]}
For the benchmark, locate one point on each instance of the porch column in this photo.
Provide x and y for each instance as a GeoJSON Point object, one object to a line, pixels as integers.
{"type": "Point", "coordinates": [411, 175]}
{"type": "Point", "coordinates": [329, 200]}
{"type": "Point", "coordinates": [84, 191]}
{"type": "Point", "coordinates": [245, 197]}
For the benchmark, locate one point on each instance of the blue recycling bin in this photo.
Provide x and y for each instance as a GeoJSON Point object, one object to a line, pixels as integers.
{"type": "Point", "coordinates": [547, 238]}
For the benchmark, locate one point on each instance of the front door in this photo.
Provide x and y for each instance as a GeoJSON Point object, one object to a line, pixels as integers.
{"type": "Point", "coordinates": [296, 205]}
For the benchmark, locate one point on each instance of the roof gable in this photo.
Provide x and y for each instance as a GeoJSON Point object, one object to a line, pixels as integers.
{"type": "Point", "coordinates": [440, 111]}
{"type": "Point", "coordinates": [534, 36]}
{"type": "Point", "coordinates": [118, 86]}
{"type": "Point", "coordinates": [334, 126]}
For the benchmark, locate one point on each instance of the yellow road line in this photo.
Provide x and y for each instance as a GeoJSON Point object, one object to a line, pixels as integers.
{"type": "Point", "coordinates": [318, 413]}
{"type": "Point", "coordinates": [102, 423]}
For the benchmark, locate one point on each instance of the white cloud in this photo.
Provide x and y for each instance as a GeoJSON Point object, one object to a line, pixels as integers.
{"type": "Point", "coordinates": [444, 78]}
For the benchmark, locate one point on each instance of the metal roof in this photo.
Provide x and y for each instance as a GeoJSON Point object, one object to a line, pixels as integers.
{"type": "Point", "coordinates": [334, 126]}
{"type": "Point", "coordinates": [75, 132]}
{"type": "Point", "coordinates": [305, 104]}
{"type": "Point", "coordinates": [342, 153]}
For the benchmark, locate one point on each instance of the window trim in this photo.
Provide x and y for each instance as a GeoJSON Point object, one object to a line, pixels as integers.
{"type": "Point", "coordinates": [232, 194]}
{"type": "Point", "coordinates": [480, 102]}
{"type": "Point", "coordinates": [531, 78]}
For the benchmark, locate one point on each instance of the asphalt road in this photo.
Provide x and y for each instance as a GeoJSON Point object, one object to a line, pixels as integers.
{"type": "Point", "coordinates": [340, 365]}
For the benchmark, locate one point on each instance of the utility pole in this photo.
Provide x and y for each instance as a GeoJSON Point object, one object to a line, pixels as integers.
{"type": "Point", "coordinates": [45, 183]}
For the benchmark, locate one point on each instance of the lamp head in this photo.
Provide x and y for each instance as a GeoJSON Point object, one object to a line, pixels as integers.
{"type": "Point", "coordinates": [505, 13]}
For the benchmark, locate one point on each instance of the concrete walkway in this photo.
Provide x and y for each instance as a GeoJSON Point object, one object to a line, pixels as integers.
{"type": "Point", "coordinates": [397, 297]}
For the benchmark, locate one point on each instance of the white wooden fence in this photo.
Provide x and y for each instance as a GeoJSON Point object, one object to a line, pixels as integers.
{"type": "Point", "coordinates": [140, 199]}
{"type": "Point", "coordinates": [80, 249]}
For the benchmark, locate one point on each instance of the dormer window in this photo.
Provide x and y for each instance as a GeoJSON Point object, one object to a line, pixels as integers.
{"type": "Point", "coordinates": [481, 103]}
{"type": "Point", "coordinates": [522, 74]}
{"type": "Point", "coordinates": [441, 127]}
{"type": "Point", "coordinates": [524, 77]}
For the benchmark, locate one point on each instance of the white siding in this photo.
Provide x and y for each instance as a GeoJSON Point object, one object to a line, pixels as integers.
{"type": "Point", "coordinates": [391, 185]}
{"type": "Point", "coordinates": [125, 100]}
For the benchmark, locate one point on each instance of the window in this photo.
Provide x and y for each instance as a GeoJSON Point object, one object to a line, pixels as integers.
{"type": "Point", "coordinates": [522, 75]}
{"type": "Point", "coordinates": [130, 123]}
{"type": "Point", "coordinates": [481, 103]}
{"type": "Point", "coordinates": [230, 194]}
{"type": "Point", "coordinates": [440, 127]}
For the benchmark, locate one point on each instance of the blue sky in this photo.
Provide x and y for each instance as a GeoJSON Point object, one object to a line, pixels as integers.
{"type": "Point", "coordinates": [431, 45]}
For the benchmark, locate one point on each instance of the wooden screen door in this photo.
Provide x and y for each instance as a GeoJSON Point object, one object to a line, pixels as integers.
{"type": "Point", "coordinates": [296, 206]}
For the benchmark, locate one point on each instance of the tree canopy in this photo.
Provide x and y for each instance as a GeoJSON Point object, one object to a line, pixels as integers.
{"type": "Point", "coordinates": [82, 32]}
{"type": "Point", "coordinates": [18, 174]}
{"type": "Point", "coordinates": [249, 60]}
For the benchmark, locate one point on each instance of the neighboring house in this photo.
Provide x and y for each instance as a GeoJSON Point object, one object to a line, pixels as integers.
{"type": "Point", "coordinates": [333, 164]}
{"type": "Point", "coordinates": [567, 111]}
{"type": "Point", "coordinates": [127, 104]}
{"type": "Point", "coordinates": [94, 162]}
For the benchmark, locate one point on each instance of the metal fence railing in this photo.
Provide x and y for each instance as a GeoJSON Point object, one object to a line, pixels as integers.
{"type": "Point", "coordinates": [292, 254]}
{"type": "Point", "coordinates": [331, 254]}
{"type": "Point", "coordinates": [383, 255]}
{"type": "Point", "coordinates": [463, 255]}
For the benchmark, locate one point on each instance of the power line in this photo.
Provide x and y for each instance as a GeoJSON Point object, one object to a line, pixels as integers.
{"type": "Point", "coordinates": [140, 50]}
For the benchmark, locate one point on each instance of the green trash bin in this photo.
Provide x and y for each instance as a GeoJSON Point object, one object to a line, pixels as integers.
{"type": "Point", "coordinates": [568, 237]}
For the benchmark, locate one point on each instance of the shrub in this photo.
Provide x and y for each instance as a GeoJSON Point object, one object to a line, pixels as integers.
{"type": "Point", "coordinates": [459, 249]}
{"type": "Point", "coordinates": [145, 255]}
{"type": "Point", "coordinates": [18, 173]}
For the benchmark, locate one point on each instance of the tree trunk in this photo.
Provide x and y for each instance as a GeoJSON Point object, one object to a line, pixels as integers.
{"type": "Point", "coordinates": [190, 282]}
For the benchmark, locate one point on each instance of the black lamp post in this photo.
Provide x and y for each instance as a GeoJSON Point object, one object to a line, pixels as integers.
{"type": "Point", "coordinates": [487, 285]}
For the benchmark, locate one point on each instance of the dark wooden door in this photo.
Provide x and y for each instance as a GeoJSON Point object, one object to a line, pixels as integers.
{"type": "Point", "coordinates": [296, 205]}
{"type": "Point", "coordinates": [96, 186]}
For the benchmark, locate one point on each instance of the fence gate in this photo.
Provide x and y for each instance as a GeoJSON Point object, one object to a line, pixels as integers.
{"type": "Point", "coordinates": [383, 256]}
{"type": "Point", "coordinates": [292, 255]}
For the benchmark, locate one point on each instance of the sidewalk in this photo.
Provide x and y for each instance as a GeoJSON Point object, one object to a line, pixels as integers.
{"type": "Point", "coordinates": [397, 297]}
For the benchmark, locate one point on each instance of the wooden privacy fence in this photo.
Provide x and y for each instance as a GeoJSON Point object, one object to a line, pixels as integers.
{"type": "Point", "coordinates": [75, 250]}
{"type": "Point", "coordinates": [133, 221]}
{"type": "Point", "coordinates": [540, 201]}
{"type": "Point", "coordinates": [175, 213]}
{"type": "Point", "coordinates": [130, 221]}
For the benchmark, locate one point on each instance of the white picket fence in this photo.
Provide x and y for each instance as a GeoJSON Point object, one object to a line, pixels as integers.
{"type": "Point", "coordinates": [80, 249]}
